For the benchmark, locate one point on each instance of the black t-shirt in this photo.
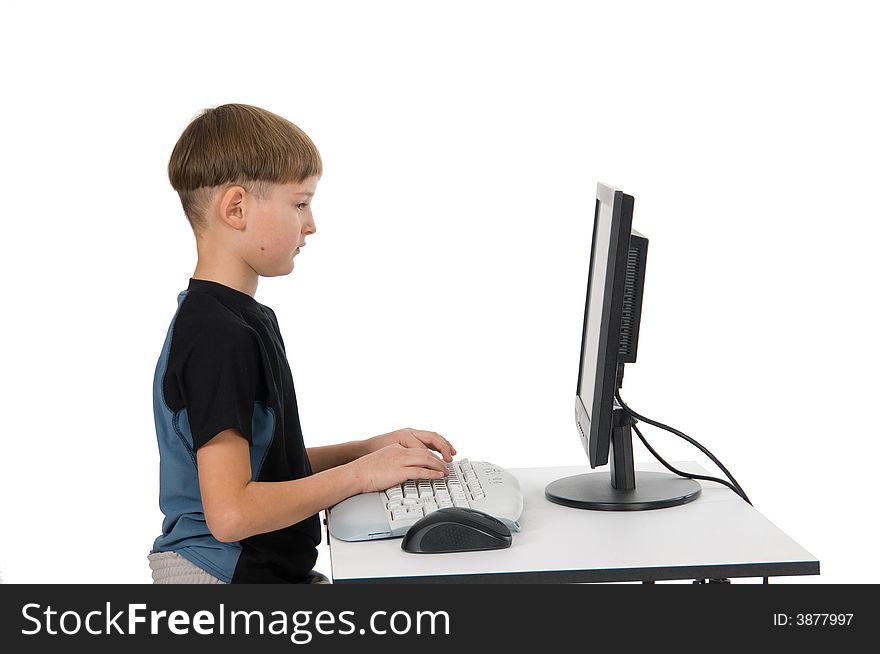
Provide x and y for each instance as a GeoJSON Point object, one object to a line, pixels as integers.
{"type": "Point", "coordinates": [224, 366]}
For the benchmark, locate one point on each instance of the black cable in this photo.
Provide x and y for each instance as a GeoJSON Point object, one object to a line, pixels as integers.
{"type": "Point", "coordinates": [681, 435]}
{"type": "Point", "coordinates": [688, 475]}
{"type": "Point", "coordinates": [735, 487]}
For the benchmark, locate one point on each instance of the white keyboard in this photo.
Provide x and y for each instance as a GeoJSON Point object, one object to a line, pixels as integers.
{"type": "Point", "coordinates": [388, 514]}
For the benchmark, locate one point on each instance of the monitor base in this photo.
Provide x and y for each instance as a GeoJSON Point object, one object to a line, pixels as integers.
{"type": "Point", "coordinates": [654, 490]}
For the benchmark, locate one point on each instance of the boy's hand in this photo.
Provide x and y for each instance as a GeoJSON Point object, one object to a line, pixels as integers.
{"type": "Point", "coordinates": [415, 438]}
{"type": "Point", "coordinates": [394, 464]}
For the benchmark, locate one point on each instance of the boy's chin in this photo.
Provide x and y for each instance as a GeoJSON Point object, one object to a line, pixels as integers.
{"type": "Point", "coordinates": [280, 272]}
{"type": "Point", "coordinates": [274, 268]}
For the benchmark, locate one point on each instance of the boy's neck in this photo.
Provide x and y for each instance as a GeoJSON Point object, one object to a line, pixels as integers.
{"type": "Point", "coordinates": [243, 280]}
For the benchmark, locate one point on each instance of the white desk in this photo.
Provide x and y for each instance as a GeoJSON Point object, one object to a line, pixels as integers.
{"type": "Point", "coordinates": [716, 536]}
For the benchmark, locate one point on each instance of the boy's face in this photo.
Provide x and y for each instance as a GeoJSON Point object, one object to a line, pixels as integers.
{"type": "Point", "coordinates": [278, 226]}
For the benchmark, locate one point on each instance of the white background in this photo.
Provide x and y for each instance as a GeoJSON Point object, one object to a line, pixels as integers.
{"type": "Point", "coordinates": [444, 289]}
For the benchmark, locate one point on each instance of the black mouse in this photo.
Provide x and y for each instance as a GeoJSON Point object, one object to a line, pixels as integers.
{"type": "Point", "coordinates": [456, 529]}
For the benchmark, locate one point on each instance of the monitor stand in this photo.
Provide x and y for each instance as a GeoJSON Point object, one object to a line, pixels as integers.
{"type": "Point", "coordinates": [594, 490]}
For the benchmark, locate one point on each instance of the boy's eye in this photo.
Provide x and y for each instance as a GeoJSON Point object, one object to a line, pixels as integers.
{"type": "Point", "coordinates": [302, 205]}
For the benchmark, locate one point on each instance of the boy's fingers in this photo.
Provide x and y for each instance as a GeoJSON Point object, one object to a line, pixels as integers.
{"type": "Point", "coordinates": [429, 460]}
{"type": "Point", "coordinates": [436, 442]}
{"type": "Point", "coordinates": [413, 440]}
{"type": "Point", "coordinates": [422, 473]}
{"type": "Point", "coordinates": [450, 448]}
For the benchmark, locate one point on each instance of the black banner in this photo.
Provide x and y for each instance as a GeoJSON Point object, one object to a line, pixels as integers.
{"type": "Point", "coordinates": [105, 618]}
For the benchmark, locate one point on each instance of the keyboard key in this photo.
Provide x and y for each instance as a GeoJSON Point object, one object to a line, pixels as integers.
{"type": "Point", "coordinates": [399, 514]}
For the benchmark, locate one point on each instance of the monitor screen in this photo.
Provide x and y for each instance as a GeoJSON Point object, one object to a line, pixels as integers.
{"type": "Point", "coordinates": [593, 313]}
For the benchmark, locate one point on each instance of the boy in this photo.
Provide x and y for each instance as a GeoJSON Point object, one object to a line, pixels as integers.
{"type": "Point", "coordinates": [239, 489]}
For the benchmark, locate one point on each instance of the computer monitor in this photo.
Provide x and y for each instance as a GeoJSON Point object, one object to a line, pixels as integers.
{"type": "Point", "coordinates": [612, 317]}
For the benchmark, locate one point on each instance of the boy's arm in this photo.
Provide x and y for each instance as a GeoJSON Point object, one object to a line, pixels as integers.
{"type": "Point", "coordinates": [330, 456]}
{"type": "Point", "coordinates": [236, 507]}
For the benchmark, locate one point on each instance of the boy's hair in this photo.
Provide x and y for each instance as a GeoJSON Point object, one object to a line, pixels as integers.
{"type": "Point", "coordinates": [238, 144]}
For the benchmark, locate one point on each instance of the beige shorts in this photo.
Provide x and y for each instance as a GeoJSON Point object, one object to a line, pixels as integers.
{"type": "Point", "coordinates": [172, 568]}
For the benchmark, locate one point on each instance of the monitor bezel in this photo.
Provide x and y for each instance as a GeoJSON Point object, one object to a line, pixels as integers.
{"type": "Point", "coordinates": [596, 434]}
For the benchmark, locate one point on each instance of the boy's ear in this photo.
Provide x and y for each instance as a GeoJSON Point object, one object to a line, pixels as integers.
{"type": "Point", "coordinates": [232, 207]}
